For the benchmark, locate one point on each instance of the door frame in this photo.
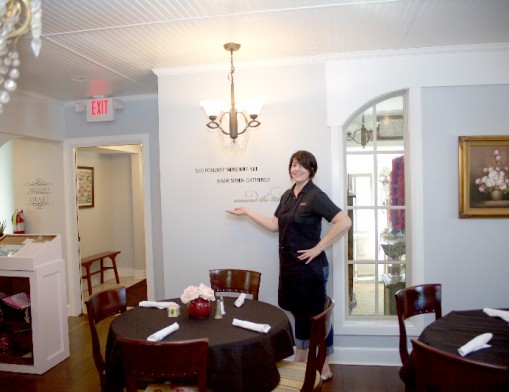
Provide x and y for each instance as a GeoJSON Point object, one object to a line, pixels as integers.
{"type": "Point", "coordinates": [71, 210]}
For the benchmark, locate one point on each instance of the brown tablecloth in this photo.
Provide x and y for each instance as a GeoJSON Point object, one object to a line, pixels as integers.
{"type": "Point", "coordinates": [459, 327]}
{"type": "Point", "coordinates": [239, 360]}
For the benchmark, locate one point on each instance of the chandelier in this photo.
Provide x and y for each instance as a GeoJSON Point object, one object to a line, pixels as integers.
{"type": "Point", "coordinates": [218, 112]}
{"type": "Point", "coordinates": [17, 18]}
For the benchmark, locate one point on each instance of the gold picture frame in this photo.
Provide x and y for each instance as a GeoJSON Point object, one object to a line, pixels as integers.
{"type": "Point", "coordinates": [484, 176]}
{"type": "Point", "coordinates": [85, 186]}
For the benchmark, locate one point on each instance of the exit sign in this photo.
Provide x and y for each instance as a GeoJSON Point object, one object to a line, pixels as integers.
{"type": "Point", "coordinates": [100, 109]}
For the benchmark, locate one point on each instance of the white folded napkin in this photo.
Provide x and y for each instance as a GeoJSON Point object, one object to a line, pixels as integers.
{"type": "Point", "coordinates": [252, 326]}
{"type": "Point", "coordinates": [154, 304]}
{"type": "Point", "coordinates": [240, 301]}
{"type": "Point", "coordinates": [503, 314]}
{"type": "Point", "coordinates": [475, 344]}
{"type": "Point", "coordinates": [161, 334]}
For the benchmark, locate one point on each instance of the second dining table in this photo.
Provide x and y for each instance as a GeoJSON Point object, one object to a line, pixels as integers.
{"type": "Point", "coordinates": [239, 359]}
{"type": "Point", "coordinates": [457, 328]}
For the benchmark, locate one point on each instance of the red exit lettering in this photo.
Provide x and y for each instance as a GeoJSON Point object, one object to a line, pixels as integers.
{"type": "Point", "coordinates": [99, 107]}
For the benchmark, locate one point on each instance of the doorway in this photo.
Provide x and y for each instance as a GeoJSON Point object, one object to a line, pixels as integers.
{"type": "Point", "coordinates": [138, 260]}
{"type": "Point", "coordinates": [110, 213]}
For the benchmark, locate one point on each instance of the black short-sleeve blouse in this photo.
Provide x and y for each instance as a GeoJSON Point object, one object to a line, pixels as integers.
{"type": "Point", "coordinates": [300, 218]}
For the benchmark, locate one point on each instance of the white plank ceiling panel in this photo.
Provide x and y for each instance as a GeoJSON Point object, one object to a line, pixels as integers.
{"type": "Point", "coordinates": [115, 44]}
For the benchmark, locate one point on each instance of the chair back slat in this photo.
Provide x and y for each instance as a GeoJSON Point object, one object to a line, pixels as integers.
{"type": "Point", "coordinates": [235, 280]}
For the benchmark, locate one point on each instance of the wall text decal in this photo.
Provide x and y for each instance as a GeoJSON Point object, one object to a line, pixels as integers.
{"type": "Point", "coordinates": [39, 192]}
{"type": "Point", "coordinates": [244, 175]}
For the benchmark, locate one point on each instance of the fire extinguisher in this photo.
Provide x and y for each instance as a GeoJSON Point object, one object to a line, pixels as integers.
{"type": "Point", "coordinates": [18, 222]}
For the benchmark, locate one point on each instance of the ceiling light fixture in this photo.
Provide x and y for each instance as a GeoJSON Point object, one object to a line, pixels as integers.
{"type": "Point", "coordinates": [17, 18]}
{"type": "Point", "coordinates": [218, 111]}
{"type": "Point", "coordinates": [388, 127]}
{"type": "Point", "coordinates": [360, 136]}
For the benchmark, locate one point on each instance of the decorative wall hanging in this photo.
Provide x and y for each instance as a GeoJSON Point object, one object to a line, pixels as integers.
{"type": "Point", "coordinates": [85, 186]}
{"type": "Point", "coordinates": [484, 176]}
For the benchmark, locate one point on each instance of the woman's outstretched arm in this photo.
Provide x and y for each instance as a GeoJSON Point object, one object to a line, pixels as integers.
{"type": "Point", "coordinates": [269, 223]}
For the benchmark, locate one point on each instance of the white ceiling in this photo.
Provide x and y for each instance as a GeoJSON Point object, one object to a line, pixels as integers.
{"type": "Point", "coordinates": [115, 44]}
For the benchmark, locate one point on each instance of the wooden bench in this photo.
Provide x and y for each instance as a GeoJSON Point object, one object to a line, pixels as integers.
{"type": "Point", "coordinates": [88, 261]}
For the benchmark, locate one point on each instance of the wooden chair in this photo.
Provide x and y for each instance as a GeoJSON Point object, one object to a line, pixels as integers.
{"type": "Point", "coordinates": [100, 306]}
{"type": "Point", "coordinates": [305, 377]}
{"type": "Point", "coordinates": [439, 371]}
{"type": "Point", "coordinates": [235, 280]}
{"type": "Point", "coordinates": [147, 362]}
{"type": "Point", "coordinates": [414, 300]}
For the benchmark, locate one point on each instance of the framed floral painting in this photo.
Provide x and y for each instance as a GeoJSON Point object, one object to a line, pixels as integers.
{"type": "Point", "coordinates": [484, 176]}
{"type": "Point", "coordinates": [85, 186]}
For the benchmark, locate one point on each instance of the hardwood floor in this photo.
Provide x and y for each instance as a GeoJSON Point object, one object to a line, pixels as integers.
{"type": "Point", "coordinates": [78, 373]}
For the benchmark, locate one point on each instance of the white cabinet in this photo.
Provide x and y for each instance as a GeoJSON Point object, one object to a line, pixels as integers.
{"type": "Point", "coordinates": [35, 339]}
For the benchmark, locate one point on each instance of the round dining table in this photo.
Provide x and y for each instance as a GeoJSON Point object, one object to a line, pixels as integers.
{"type": "Point", "coordinates": [457, 328]}
{"type": "Point", "coordinates": [239, 359]}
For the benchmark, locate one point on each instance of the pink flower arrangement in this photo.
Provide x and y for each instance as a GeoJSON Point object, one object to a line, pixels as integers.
{"type": "Point", "coordinates": [494, 177]}
{"type": "Point", "coordinates": [194, 292]}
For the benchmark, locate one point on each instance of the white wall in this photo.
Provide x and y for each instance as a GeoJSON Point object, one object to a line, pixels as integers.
{"type": "Point", "coordinates": [32, 115]}
{"type": "Point", "coordinates": [31, 180]}
{"type": "Point", "coordinates": [138, 200]}
{"type": "Point", "coordinates": [353, 80]}
{"type": "Point", "coordinates": [197, 232]}
{"type": "Point", "coordinates": [38, 185]}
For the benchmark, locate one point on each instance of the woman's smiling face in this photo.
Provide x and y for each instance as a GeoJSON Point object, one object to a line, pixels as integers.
{"type": "Point", "coordinates": [298, 172]}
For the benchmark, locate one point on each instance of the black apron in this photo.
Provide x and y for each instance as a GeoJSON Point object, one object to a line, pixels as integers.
{"type": "Point", "coordinates": [301, 286]}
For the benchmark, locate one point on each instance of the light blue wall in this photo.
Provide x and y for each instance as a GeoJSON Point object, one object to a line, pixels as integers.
{"type": "Point", "coordinates": [468, 256]}
{"type": "Point", "coordinates": [137, 117]}
{"type": "Point", "coordinates": [198, 234]}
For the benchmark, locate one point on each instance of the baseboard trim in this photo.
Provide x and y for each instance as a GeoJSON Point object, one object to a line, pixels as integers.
{"type": "Point", "coordinates": [365, 356]}
{"type": "Point", "coordinates": [122, 272]}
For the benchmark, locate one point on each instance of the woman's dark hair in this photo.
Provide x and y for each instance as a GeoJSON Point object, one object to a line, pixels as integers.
{"type": "Point", "coordinates": [307, 160]}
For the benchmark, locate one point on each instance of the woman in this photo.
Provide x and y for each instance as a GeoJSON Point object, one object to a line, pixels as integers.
{"type": "Point", "coordinates": [303, 265]}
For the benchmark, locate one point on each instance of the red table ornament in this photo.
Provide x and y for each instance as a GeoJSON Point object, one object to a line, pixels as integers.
{"type": "Point", "coordinates": [198, 308]}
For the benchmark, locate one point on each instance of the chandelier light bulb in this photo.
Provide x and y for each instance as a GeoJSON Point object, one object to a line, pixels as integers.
{"type": "Point", "coordinates": [14, 73]}
{"type": "Point", "coordinates": [10, 85]}
{"type": "Point", "coordinates": [4, 97]}
{"type": "Point", "coordinates": [213, 108]}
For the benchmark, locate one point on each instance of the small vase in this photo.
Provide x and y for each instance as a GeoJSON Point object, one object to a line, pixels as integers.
{"type": "Point", "coordinates": [198, 308]}
{"type": "Point", "coordinates": [496, 195]}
